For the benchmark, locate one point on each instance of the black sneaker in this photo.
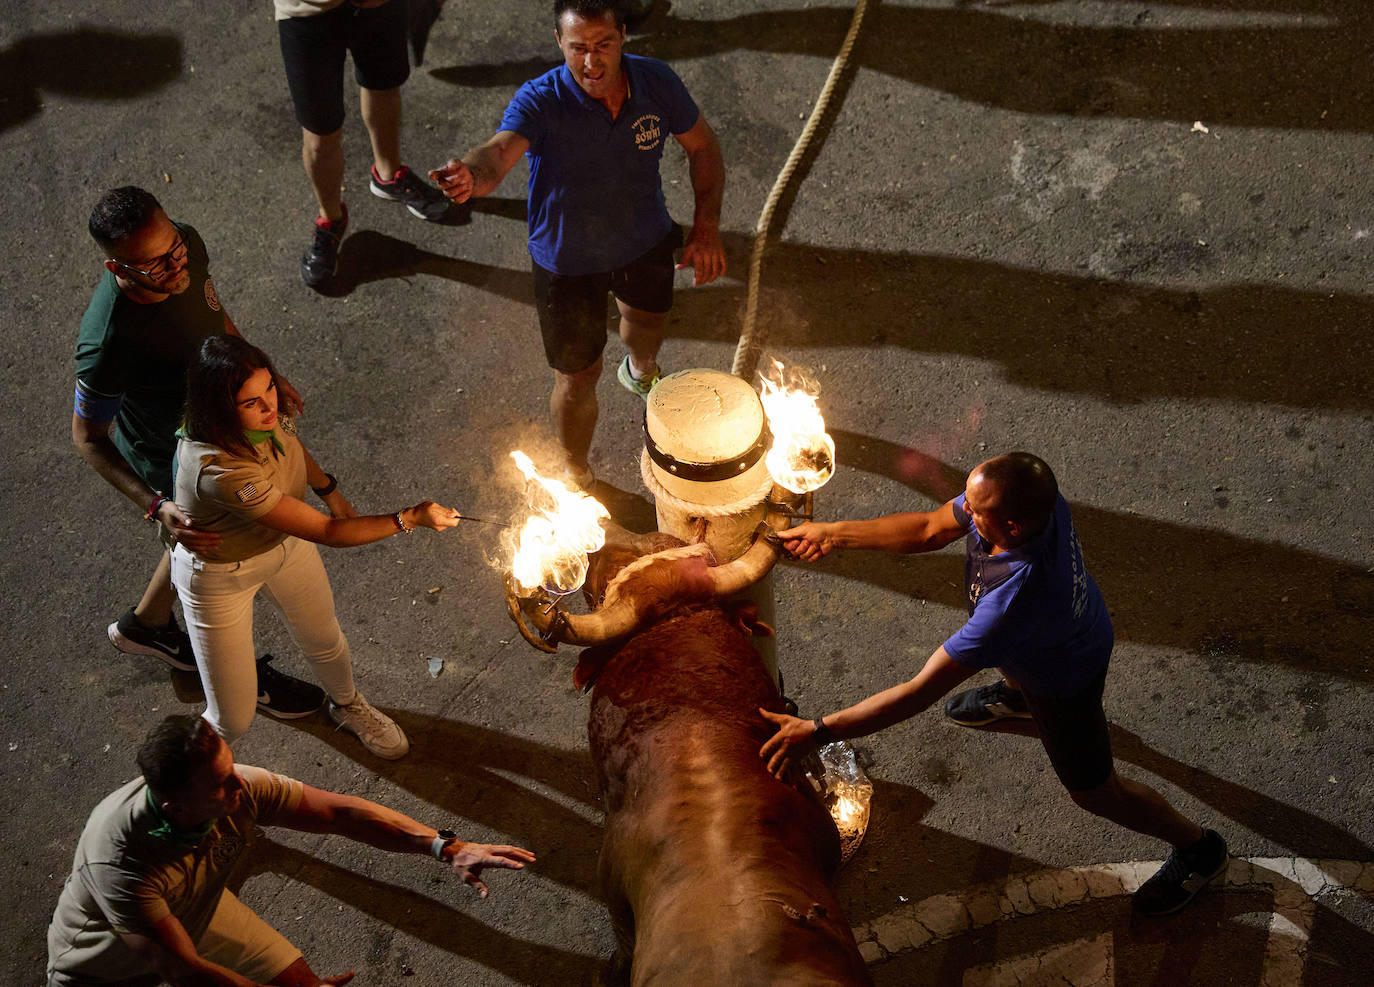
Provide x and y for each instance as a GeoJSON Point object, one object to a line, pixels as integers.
{"type": "Point", "coordinates": [987, 704]}
{"type": "Point", "coordinates": [1183, 875]}
{"type": "Point", "coordinates": [169, 643]}
{"type": "Point", "coordinates": [423, 201]}
{"type": "Point", "coordinates": [285, 697]}
{"type": "Point", "coordinates": [322, 259]}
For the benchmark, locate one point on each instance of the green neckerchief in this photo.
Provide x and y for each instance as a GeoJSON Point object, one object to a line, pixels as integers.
{"type": "Point", "coordinates": [164, 830]}
{"type": "Point", "coordinates": [258, 436]}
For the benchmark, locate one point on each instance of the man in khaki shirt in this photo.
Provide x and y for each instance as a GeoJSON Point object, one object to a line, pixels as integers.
{"type": "Point", "coordinates": [147, 890]}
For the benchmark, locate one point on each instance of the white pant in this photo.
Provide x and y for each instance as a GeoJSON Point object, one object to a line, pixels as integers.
{"type": "Point", "coordinates": [217, 598]}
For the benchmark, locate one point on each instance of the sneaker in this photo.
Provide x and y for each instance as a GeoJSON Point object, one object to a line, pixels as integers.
{"type": "Point", "coordinates": [987, 704]}
{"type": "Point", "coordinates": [636, 385]}
{"type": "Point", "coordinates": [322, 259]}
{"type": "Point", "coordinates": [377, 731]}
{"type": "Point", "coordinates": [423, 14]}
{"type": "Point", "coordinates": [1183, 875]}
{"type": "Point", "coordinates": [169, 643]}
{"type": "Point", "coordinates": [285, 697]}
{"type": "Point", "coordinates": [423, 201]}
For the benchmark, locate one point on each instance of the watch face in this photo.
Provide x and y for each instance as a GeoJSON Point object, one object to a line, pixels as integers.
{"type": "Point", "coordinates": [447, 834]}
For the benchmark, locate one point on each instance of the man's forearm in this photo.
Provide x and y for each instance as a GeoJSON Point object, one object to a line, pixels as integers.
{"type": "Point", "coordinates": [901, 702]}
{"type": "Point", "coordinates": [909, 532]}
{"type": "Point", "coordinates": [105, 457]}
{"type": "Point", "coordinates": [707, 170]}
{"type": "Point", "coordinates": [487, 173]}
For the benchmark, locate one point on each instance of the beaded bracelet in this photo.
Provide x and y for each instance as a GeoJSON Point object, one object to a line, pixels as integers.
{"type": "Point", "coordinates": [401, 524]}
{"type": "Point", "coordinates": [156, 505]}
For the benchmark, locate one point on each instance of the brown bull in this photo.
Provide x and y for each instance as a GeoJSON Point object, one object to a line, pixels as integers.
{"type": "Point", "coordinates": [715, 872]}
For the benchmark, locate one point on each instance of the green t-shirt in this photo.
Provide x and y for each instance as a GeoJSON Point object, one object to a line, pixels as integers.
{"type": "Point", "coordinates": [131, 362]}
{"type": "Point", "coordinates": [124, 879]}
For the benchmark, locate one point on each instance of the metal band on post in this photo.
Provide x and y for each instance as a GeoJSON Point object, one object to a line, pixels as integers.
{"type": "Point", "coordinates": [707, 472]}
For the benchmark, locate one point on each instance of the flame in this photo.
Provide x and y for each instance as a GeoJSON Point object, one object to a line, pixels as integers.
{"type": "Point", "coordinates": [849, 812]}
{"type": "Point", "coordinates": [553, 545]}
{"type": "Point", "coordinates": [803, 455]}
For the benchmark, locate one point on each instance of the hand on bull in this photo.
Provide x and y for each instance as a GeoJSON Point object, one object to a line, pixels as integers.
{"type": "Point", "coordinates": [791, 743]}
{"type": "Point", "coordinates": [468, 859]}
{"type": "Point", "coordinates": [810, 540]}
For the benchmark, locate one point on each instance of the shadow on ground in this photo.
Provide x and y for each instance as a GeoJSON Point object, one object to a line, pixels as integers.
{"type": "Point", "coordinates": [1238, 70]}
{"type": "Point", "coordinates": [84, 63]}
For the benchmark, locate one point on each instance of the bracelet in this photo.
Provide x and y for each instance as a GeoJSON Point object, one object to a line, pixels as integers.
{"type": "Point", "coordinates": [401, 524]}
{"type": "Point", "coordinates": [156, 505]}
{"type": "Point", "coordinates": [328, 488]}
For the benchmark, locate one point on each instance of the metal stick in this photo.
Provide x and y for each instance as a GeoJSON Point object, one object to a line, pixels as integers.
{"type": "Point", "coordinates": [482, 520]}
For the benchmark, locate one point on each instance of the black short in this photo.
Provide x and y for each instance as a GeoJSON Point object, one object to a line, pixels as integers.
{"type": "Point", "coordinates": [1074, 732]}
{"type": "Point", "coordinates": [572, 310]}
{"type": "Point", "coordinates": [313, 50]}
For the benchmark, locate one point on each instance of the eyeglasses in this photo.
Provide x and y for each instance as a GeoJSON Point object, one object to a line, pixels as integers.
{"type": "Point", "coordinates": [160, 264]}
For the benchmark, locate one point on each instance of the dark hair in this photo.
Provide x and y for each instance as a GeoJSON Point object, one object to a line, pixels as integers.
{"type": "Point", "coordinates": [1026, 488]}
{"type": "Point", "coordinates": [121, 213]}
{"type": "Point", "coordinates": [590, 10]}
{"type": "Point", "coordinates": [174, 751]}
{"type": "Point", "coordinates": [213, 381]}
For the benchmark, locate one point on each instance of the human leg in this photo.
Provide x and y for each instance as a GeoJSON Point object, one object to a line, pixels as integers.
{"type": "Point", "coordinates": [323, 158]}
{"type": "Point", "coordinates": [382, 115]}
{"type": "Point", "coordinates": [217, 599]}
{"type": "Point", "coordinates": [300, 589]}
{"type": "Point", "coordinates": [150, 628]}
{"type": "Point", "coordinates": [644, 295]}
{"type": "Point", "coordinates": [239, 939]}
{"type": "Point", "coordinates": [572, 323]}
{"type": "Point", "coordinates": [1075, 734]}
{"type": "Point", "coordinates": [574, 409]}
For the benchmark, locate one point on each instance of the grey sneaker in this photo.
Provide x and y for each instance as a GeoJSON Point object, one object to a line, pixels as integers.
{"type": "Point", "coordinates": [377, 731]}
{"type": "Point", "coordinates": [1183, 875]}
{"type": "Point", "coordinates": [423, 201]}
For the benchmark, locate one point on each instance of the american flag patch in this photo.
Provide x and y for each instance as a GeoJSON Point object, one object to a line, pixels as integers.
{"type": "Point", "coordinates": [247, 492]}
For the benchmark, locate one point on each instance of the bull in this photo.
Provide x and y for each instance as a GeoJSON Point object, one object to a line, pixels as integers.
{"type": "Point", "coordinates": [714, 871]}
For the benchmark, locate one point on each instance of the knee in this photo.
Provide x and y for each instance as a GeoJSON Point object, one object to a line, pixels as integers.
{"type": "Point", "coordinates": [318, 143]}
{"type": "Point", "coordinates": [1100, 799]}
{"type": "Point", "coordinates": [579, 384]}
{"type": "Point", "coordinates": [231, 724]}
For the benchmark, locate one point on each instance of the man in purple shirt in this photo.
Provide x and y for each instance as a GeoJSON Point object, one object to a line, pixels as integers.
{"type": "Point", "coordinates": [1037, 615]}
{"type": "Point", "coordinates": [595, 130]}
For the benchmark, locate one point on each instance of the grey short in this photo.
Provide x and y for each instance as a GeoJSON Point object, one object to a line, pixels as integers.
{"type": "Point", "coordinates": [1074, 732]}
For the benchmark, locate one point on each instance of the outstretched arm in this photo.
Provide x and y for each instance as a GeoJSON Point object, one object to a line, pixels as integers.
{"type": "Point", "coordinates": [704, 252]}
{"type": "Point", "coordinates": [386, 829]}
{"type": "Point", "coordinates": [479, 171]}
{"type": "Point", "coordinates": [917, 531]}
{"type": "Point", "coordinates": [795, 736]}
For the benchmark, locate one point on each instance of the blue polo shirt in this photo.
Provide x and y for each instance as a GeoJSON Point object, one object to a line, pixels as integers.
{"type": "Point", "coordinates": [596, 202]}
{"type": "Point", "coordinates": [1034, 610]}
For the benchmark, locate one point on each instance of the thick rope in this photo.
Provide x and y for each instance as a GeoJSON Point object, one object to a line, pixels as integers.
{"type": "Point", "coordinates": [692, 509]}
{"type": "Point", "coordinates": [750, 346]}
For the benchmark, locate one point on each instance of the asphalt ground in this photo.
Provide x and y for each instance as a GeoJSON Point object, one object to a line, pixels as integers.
{"type": "Point", "coordinates": [1014, 233]}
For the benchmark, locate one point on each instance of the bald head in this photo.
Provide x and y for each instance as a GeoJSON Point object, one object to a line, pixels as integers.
{"type": "Point", "coordinates": [1018, 488]}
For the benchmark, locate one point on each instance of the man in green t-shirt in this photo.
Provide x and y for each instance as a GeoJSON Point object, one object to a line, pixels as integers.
{"type": "Point", "coordinates": [147, 890]}
{"type": "Point", "coordinates": [154, 306]}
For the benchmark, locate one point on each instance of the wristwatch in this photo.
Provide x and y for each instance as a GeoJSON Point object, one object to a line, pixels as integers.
{"type": "Point", "coordinates": [442, 839]}
{"type": "Point", "coordinates": [822, 735]}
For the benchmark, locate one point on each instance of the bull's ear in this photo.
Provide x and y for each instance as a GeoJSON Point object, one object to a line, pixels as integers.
{"type": "Point", "coordinates": [746, 618]}
{"type": "Point", "coordinates": [590, 664]}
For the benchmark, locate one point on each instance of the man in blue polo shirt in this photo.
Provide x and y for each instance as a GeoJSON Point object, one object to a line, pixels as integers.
{"type": "Point", "coordinates": [595, 129]}
{"type": "Point", "coordinates": [1037, 615]}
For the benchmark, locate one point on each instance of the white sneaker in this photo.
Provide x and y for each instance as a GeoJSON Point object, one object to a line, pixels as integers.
{"type": "Point", "coordinates": [377, 731]}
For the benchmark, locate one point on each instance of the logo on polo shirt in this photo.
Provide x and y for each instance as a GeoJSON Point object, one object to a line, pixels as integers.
{"type": "Point", "coordinates": [211, 298]}
{"type": "Point", "coordinates": [648, 131]}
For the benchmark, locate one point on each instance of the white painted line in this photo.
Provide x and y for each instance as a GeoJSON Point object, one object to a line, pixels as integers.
{"type": "Point", "coordinates": [1294, 882]}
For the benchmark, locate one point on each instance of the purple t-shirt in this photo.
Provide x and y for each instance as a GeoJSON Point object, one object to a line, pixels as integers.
{"type": "Point", "coordinates": [1034, 610]}
{"type": "Point", "coordinates": [596, 202]}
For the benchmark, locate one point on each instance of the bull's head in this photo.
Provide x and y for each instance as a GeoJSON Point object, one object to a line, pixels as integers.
{"type": "Point", "coordinates": [652, 575]}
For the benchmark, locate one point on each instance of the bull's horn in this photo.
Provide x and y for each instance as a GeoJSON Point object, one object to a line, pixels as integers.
{"type": "Point", "coordinates": [749, 568]}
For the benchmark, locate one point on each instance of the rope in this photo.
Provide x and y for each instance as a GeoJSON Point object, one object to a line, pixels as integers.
{"type": "Point", "coordinates": [666, 499]}
{"type": "Point", "coordinates": [750, 346]}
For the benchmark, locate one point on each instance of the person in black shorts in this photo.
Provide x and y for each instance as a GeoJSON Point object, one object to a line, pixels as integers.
{"type": "Point", "coordinates": [316, 35]}
{"type": "Point", "coordinates": [1037, 616]}
{"type": "Point", "coordinates": [595, 130]}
